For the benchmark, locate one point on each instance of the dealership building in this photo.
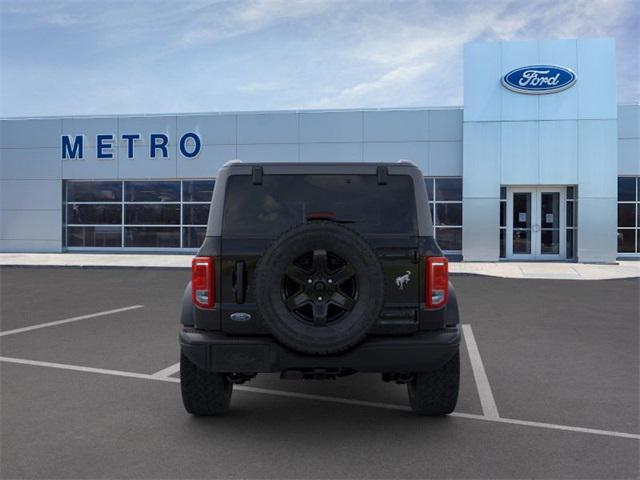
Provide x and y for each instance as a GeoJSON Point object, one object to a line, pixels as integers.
{"type": "Point", "coordinates": [541, 163]}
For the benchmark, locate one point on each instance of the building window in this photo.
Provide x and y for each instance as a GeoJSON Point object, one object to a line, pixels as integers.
{"type": "Point", "coordinates": [445, 204]}
{"type": "Point", "coordinates": [628, 215]}
{"type": "Point", "coordinates": [571, 222]}
{"type": "Point", "coordinates": [137, 214]}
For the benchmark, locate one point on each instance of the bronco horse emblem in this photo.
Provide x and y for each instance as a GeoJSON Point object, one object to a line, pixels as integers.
{"type": "Point", "coordinates": [402, 280]}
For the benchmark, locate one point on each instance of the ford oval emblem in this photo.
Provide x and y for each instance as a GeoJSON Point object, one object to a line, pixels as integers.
{"type": "Point", "coordinates": [539, 79]}
{"type": "Point", "coordinates": [240, 317]}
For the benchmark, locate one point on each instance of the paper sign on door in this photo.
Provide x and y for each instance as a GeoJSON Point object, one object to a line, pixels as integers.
{"type": "Point", "coordinates": [548, 218]}
{"type": "Point", "coordinates": [522, 216]}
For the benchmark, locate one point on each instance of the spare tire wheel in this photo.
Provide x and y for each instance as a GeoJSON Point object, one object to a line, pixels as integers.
{"type": "Point", "coordinates": [319, 288]}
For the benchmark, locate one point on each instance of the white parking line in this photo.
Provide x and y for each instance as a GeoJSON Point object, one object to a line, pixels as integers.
{"type": "Point", "coordinates": [489, 408]}
{"type": "Point", "coordinates": [306, 396]}
{"type": "Point", "coordinates": [68, 320]}
{"type": "Point", "coordinates": [167, 372]}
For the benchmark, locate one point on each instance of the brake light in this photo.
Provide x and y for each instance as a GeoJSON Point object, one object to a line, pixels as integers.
{"type": "Point", "coordinates": [436, 281]}
{"type": "Point", "coordinates": [203, 292]}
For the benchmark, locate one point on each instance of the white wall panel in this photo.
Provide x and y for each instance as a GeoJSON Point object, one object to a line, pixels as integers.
{"type": "Point", "coordinates": [629, 156]}
{"type": "Point", "coordinates": [629, 121]}
{"type": "Point", "coordinates": [597, 221]}
{"type": "Point", "coordinates": [445, 124]}
{"type": "Point", "coordinates": [562, 105]}
{"type": "Point", "coordinates": [207, 163]}
{"type": "Point", "coordinates": [147, 125]}
{"type": "Point", "coordinates": [519, 153]}
{"type": "Point", "coordinates": [597, 154]}
{"type": "Point", "coordinates": [216, 129]}
{"type": "Point", "coordinates": [331, 152]}
{"type": "Point", "coordinates": [481, 157]}
{"type": "Point", "coordinates": [481, 231]}
{"type": "Point", "coordinates": [143, 166]}
{"type": "Point", "coordinates": [516, 106]}
{"type": "Point", "coordinates": [30, 194]}
{"type": "Point", "coordinates": [90, 128]}
{"type": "Point", "coordinates": [268, 153]}
{"type": "Point", "coordinates": [331, 127]}
{"type": "Point", "coordinates": [25, 163]}
{"type": "Point", "coordinates": [26, 246]}
{"type": "Point", "coordinates": [267, 128]}
{"type": "Point", "coordinates": [90, 167]}
{"type": "Point", "coordinates": [597, 81]}
{"type": "Point", "coordinates": [417, 152]}
{"type": "Point", "coordinates": [559, 152]}
{"type": "Point", "coordinates": [30, 133]}
{"type": "Point", "coordinates": [445, 159]}
{"type": "Point", "coordinates": [395, 126]}
{"type": "Point", "coordinates": [482, 89]}
{"type": "Point", "coordinates": [31, 224]}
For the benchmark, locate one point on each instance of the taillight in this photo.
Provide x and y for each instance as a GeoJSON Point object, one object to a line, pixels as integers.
{"type": "Point", "coordinates": [436, 281]}
{"type": "Point", "coordinates": [203, 293]}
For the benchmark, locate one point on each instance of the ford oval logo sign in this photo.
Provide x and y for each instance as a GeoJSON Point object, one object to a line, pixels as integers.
{"type": "Point", "coordinates": [539, 79]}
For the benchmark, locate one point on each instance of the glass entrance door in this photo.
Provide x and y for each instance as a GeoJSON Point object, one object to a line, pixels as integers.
{"type": "Point", "coordinates": [536, 223]}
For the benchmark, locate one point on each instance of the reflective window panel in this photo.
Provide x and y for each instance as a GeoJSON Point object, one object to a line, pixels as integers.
{"type": "Point", "coordinates": [195, 214]}
{"type": "Point", "coordinates": [152, 191]}
{"type": "Point", "coordinates": [626, 189]}
{"type": "Point", "coordinates": [448, 189]}
{"type": "Point", "coordinates": [626, 241]}
{"type": "Point", "coordinates": [94, 191]}
{"type": "Point", "coordinates": [94, 237]}
{"type": "Point", "coordinates": [192, 237]}
{"type": "Point", "coordinates": [197, 190]}
{"type": "Point", "coordinates": [152, 237]}
{"type": "Point", "coordinates": [449, 238]}
{"type": "Point", "coordinates": [626, 214]}
{"type": "Point", "coordinates": [449, 214]}
{"type": "Point", "coordinates": [146, 214]}
{"type": "Point", "coordinates": [88, 214]}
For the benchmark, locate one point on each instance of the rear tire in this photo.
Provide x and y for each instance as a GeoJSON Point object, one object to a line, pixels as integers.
{"type": "Point", "coordinates": [203, 393]}
{"type": "Point", "coordinates": [436, 392]}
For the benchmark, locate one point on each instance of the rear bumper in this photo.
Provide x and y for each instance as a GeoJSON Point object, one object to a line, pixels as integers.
{"type": "Point", "coordinates": [215, 351]}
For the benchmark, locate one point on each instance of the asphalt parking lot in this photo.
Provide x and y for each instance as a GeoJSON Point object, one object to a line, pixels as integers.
{"type": "Point", "coordinates": [550, 388]}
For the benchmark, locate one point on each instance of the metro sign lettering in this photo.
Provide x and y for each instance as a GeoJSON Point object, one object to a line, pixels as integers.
{"type": "Point", "coordinates": [72, 146]}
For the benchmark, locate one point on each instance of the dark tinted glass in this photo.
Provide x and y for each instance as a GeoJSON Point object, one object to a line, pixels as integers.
{"type": "Point", "coordinates": [503, 243]}
{"type": "Point", "coordinates": [449, 238]}
{"type": "Point", "coordinates": [448, 214]}
{"type": "Point", "coordinates": [152, 214]}
{"type": "Point", "coordinates": [94, 214]}
{"type": "Point", "coordinates": [195, 214]}
{"type": "Point", "coordinates": [626, 214]}
{"type": "Point", "coordinates": [503, 214]}
{"type": "Point", "coordinates": [503, 193]}
{"type": "Point", "coordinates": [157, 237]}
{"type": "Point", "coordinates": [626, 189]}
{"type": "Point", "coordinates": [94, 237]}
{"type": "Point", "coordinates": [192, 237]}
{"type": "Point", "coordinates": [626, 241]}
{"type": "Point", "coordinates": [448, 189]}
{"type": "Point", "coordinates": [429, 183]}
{"type": "Point", "coordinates": [197, 190]}
{"type": "Point", "coordinates": [283, 201]}
{"type": "Point", "coordinates": [431, 212]}
{"type": "Point", "coordinates": [569, 243]}
{"type": "Point", "coordinates": [152, 191]}
{"type": "Point", "coordinates": [570, 214]}
{"type": "Point", "coordinates": [570, 193]}
{"type": "Point", "coordinates": [94, 191]}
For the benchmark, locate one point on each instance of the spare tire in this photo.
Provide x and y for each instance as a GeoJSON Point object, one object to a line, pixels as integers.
{"type": "Point", "coordinates": [319, 288]}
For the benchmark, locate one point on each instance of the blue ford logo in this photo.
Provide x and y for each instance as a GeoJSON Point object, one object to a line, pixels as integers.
{"type": "Point", "coordinates": [539, 79]}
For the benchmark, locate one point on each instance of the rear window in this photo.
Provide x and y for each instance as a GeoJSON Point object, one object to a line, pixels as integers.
{"type": "Point", "coordinates": [284, 201]}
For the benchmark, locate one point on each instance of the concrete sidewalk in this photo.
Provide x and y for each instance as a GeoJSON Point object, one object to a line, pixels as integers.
{"type": "Point", "coordinates": [549, 270]}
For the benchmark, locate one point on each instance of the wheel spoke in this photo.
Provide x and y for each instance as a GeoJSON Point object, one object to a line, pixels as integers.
{"type": "Point", "coordinates": [296, 301]}
{"type": "Point", "coordinates": [342, 275]}
{"type": "Point", "coordinates": [320, 313]}
{"type": "Point", "coordinates": [320, 261]}
{"type": "Point", "coordinates": [343, 301]}
{"type": "Point", "coordinates": [297, 274]}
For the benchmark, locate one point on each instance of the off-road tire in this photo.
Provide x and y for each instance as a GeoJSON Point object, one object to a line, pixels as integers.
{"type": "Point", "coordinates": [352, 327]}
{"type": "Point", "coordinates": [203, 393]}
{"type": "Point", "coordinates": [436, 392]}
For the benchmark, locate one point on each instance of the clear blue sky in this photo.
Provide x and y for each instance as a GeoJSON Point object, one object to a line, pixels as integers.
{"type": "Point", "coordinates": [102, 57]}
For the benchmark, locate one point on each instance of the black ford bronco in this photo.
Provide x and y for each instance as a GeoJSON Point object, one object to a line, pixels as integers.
{"type": "Point", "coordinates": [317, 271]}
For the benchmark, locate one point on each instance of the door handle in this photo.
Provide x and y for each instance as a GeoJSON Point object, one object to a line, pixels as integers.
{"type": "Point", "coordinates": [240, 284]}
{"type": "Point", "coordinates": [536, 228]}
